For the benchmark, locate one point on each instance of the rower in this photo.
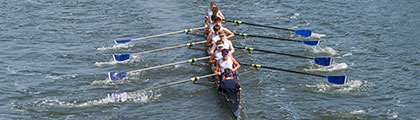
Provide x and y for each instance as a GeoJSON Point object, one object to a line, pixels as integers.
{"type": "Point", "coordinates": [216, 55]}
{"type": "Point", "coordinates": [213, 9]}
{"type": "Point", "coordinates": [216, 21]}
{"type": "Point", "coordinates": [213, 34]}
{"type": "Point", "coordinates": [227, 44]}
{"type": "Point", "coordinates": [229, 85]}
{"type": "Point", "coordinates": [227, 61]}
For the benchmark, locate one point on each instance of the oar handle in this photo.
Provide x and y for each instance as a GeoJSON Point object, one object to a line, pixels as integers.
{"type": "Point", "coordinates": [268, 37]}
{"type": "Point", "coordinates": [281, 69]}
{"type": "Point", "coordinates": [259, 25]}
{"type": "Point", "coordinates": [174, 83]}
{"type": "Point", "coordinates": [272, 52]}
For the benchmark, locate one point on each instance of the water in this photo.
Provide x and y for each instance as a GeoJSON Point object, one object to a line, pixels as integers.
{"type": "Point", "coordinates": [49, 49]}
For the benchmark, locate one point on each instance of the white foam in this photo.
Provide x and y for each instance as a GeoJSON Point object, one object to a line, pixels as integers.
{"type": "Point", "coordinates": [348, 86]}
{"type": "Point", "coordinates": [10, 70]}
{"type": "Point", "coordinates": [142, 97]}
{"type": "Point", "coordinates": [116, 46]}
{"type": "Point", "coordinates": [113, 62]}
{"type": "Point", "coordinates": [317, 35]}
{"type": "Point", "coordinates": [332, 67]}
{"type": "Point", "coordinates": [357, 112]}
{"type": "Point", "coordinates": [319, 49]}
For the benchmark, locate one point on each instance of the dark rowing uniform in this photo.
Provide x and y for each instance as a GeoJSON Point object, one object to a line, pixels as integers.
{"type": "Point", "coordinates": [229, 86]}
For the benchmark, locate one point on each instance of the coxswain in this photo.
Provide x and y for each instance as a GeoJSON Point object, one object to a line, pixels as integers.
{"type": "Point", "coordinates": [228, 84]}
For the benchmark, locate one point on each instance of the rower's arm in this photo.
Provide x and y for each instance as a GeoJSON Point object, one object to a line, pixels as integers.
{"type": "Point", "coordinates": [229, 32]}
{"type": "Point", "coordinates": [221, 15]}
{"type": "Point", "coordinates": [212, 57]}
{"type": "Point", "coordinates": [217, 69]}
{"type": "Point", "coordinates": [236, 64]}
{"type": "Point", "coordinates": [232, 49]}
{"type": "Point", "coordinates": [209, 37]}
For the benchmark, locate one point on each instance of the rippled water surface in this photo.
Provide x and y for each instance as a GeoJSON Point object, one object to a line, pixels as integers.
{"type": "Point", "coordinates": [52, 65]}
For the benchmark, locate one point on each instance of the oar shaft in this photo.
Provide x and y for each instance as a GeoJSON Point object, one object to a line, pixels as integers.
{"type": "Point", "coordinates": [169, 84]}
{"type": "Point", "coordinates": [167, 48]}
{"type": "Point", "coordinates": [166, 65]}
{"type": "Point", "coordinates": [268, 37]}
{"type": "Point", "coordinates": [165, 34]}
{"type": "Point", "coordinates": [281, 69]}
{"type": "Point", "coordinates": [259, 25]}
{"type": "Point", "coordinates": [272, 52]}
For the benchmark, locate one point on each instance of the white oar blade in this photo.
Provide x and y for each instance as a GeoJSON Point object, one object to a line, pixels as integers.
{"type": "Point", "coordinates": [121, 57]}
{"type": "Point", "coordinates": [310, 43]}
{"type": "Point", "coordinates": [323, 61]}
{"type": "Point", "coordinates": [304, 33]}
{"type": "Point", "coordinates": [122, 41]}
{"type": "Point", "coordinates": [118, 97]}
{"type": "Point", "coordinates": [115, 76]}
{"type": "Point", "coordinates": [339, 80]}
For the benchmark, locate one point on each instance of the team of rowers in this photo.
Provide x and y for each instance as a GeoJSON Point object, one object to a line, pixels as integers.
{"type": "Point", "coordinates": [221, 49]}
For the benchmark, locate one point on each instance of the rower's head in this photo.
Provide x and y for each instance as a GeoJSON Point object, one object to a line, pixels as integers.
{"type": "Point", "coordinates": [216, 29]}
{"type": "Point", "coordinates": [222, 36]}
{"type": "Point", "coordinates": [219, 44]}
{"type": "Point", "coordinates": [212, 4]}
{"type": "Point", "coordinates": [216, 18]}
{"type": "Point", "coordinates": [225, 54]}
{"type": "Point", "coordinates": [227, 72]}
{"type": "Point", "coordinates": [215, 10]}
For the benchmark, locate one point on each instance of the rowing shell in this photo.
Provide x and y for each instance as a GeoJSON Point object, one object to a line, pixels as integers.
{"type": "Point", "coordinates": [232, 100]}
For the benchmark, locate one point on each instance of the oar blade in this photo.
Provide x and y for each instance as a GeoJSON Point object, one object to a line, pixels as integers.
{"type": "Point", "coordinates": [310, 43]}
{"type": "Point", "coordinates": [323, 61]}
{"type": "Point", "coordinates": [116, 76]}
{"type": "Point", "coordinates": [339, 80]}
{"type": "Point", "coordinates": [122, 41]}
{"type": "Point", "coordinates": [118, 97]}
{"type": "Point", "coordinates": [304, 33]}
{"type": "Point", "coordinates": [121, 57]}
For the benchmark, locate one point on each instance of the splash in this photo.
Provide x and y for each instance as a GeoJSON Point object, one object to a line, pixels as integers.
{"type": "Point", "coordinates": [46, 104]}
{"type": "Point", "coordinates": [316, 35]}
{"type": "Point", "coordinates": [117, 46]}
{"type": "Point", "coordinates": [113, 62]}
{"type": "Point", "coordinates": [347, 87]}
{"type": "Point", "coordinates": [10, 70]}
{"type": "Point", "coordinates": [295, 15]}
{"type": "Point", "coordinates": [319, 49]}
{"type": "Point", "coordinates": [333, 67]}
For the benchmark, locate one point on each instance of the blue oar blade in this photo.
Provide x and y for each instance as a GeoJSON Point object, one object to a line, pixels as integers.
{"type": "Point", "coordinates": [121, 57]}
{"type": "Point", "coordinates": [121, 41]}
{"type": "Point", "coordinates": [118, 97]}
{"type": "Point", "coordinates": [323, 61]}
{"type": "Point", "coordinates": [115, 76]}
{"type": "Point", "coordinates": [310, 43]}
{"type": "Point", "coordinates": [339, 80]}
{"type": "Point", "coordinates": [304, 33]}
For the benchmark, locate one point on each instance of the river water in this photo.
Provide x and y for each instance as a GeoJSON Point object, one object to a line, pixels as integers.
{"type": "Point", "coordinates": [53, 64]}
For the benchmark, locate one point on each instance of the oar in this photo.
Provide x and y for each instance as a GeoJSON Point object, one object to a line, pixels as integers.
{"type": "Point", "coordinates": [306, 42]}
{"type": "Point", "coordinates": [304, 33]}
{"type": "Point", "coordinates": [122, 57]}
{"type": "Point", "coordinates": [324, 61]}
{"type": "Point", "coordinates": [159, 35]}
{"type": "Point", "coordinates": [115, 76]}
{"type": "Point", "coordinates": [332, 79]}
{"type": "Point", "coordinates": [122, 97]}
